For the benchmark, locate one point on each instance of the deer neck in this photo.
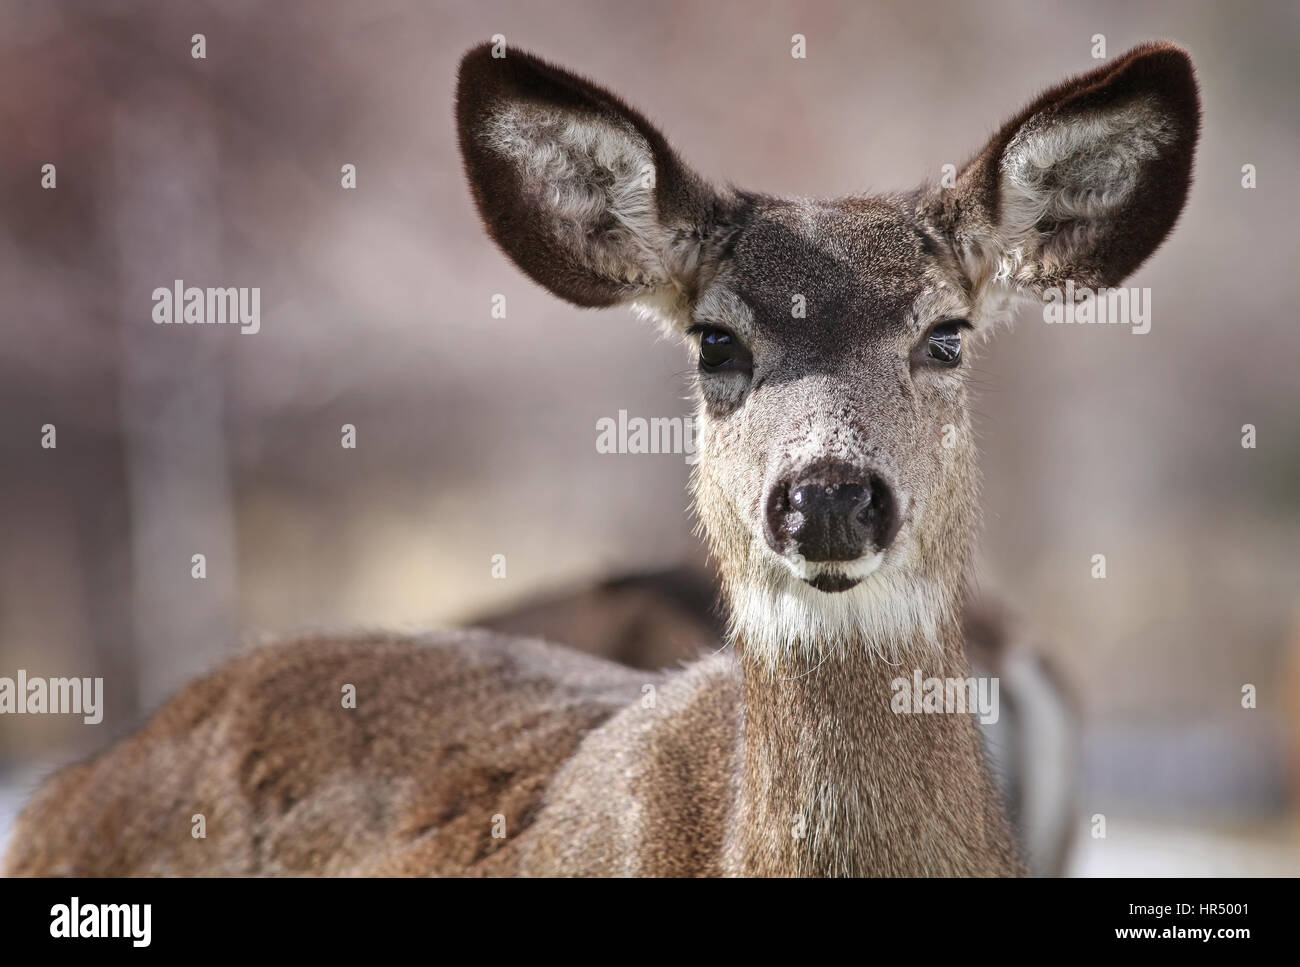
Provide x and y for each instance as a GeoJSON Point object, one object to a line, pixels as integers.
{"type": "Point", "coordinates": [833, 781]}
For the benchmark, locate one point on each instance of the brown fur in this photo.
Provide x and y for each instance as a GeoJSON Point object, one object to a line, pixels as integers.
{"type": "Point", "coordinates": [448, 731]}
{"type": "Point", "coordinates": [662, 619]}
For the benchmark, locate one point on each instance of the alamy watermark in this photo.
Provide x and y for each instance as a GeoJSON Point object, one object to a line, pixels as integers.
{"type": "Point", "coordinates": [213, 305]}
{"type": "Point", "coordinates": [948, 696]}
{"type": "Point", "coordinates": [34, 695]}
{"type": "Point", "coordinates": [656, 434]}
{"type": "Point", "coordinates": [126, 921]}
{"type": "Point", "coordinates": [1098, 307]}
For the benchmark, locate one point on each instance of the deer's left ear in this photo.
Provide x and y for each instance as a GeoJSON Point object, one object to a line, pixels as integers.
{"type": "Point", "coordinates": [1084, 183]}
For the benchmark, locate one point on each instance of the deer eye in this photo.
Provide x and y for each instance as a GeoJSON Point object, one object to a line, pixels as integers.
{"type": "Point", "coordinates": [944, 343]}
{"type": "Point", "coordinates": [720, 350]}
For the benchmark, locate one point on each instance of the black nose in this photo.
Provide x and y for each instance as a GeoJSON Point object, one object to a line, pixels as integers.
{"type": "Point", "coordinates": [832, 512]}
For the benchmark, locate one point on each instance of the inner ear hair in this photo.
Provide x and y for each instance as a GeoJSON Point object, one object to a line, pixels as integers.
{"type": "Point", "coordinates": [1085, 182]}
{"type": "Point", "coordinates": [580, 190]}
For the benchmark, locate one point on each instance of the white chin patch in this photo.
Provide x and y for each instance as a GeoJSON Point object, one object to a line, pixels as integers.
{"type": "Point", "coordinates": [786, 623]}
{"type": "Point", "coordinates": [856, 570]}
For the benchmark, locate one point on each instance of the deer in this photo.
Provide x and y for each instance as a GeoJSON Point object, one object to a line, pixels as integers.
{"type": "Point", "coordinates": [836, 486]}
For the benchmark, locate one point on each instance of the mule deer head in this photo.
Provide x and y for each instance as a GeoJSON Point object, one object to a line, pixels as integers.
{"type": "Point", "coordinates": [837, 479]}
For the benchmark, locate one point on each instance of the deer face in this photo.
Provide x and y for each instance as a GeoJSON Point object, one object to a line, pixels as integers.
{"type": "Point", "coordinates": [835, 457]}
{"type": "Point", "coordinates": [836, 480]}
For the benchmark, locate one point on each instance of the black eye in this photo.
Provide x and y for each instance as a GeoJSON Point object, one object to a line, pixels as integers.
{"type": "Point", "coordinates": [720, 350]}
{"type": "Point", "coordinates": [944, 346]}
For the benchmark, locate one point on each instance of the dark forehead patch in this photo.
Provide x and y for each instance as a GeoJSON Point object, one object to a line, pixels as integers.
{"type": "Point", "coordinates": [857, 262]}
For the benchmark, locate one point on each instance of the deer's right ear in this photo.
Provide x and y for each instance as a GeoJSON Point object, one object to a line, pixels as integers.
{"type": "Point", "coordinates": [580, 190]}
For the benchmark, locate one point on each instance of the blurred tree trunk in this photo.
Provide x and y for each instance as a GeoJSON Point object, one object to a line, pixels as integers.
{"type": "Point", "coordinates": [165, 175]}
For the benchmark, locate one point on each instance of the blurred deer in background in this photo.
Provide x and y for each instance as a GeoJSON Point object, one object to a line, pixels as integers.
{"type": "Point", "coordinates": [836, 485]}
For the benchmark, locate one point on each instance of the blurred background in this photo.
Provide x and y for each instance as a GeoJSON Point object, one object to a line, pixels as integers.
{"type": "Point", "coordinates": [476, 435]}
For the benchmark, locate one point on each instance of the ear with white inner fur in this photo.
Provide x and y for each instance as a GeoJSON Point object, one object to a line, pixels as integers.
{"type": "Point", "coordinates": [580, 190]}
{"type": "Point", "coordinates": [1084, 183]}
